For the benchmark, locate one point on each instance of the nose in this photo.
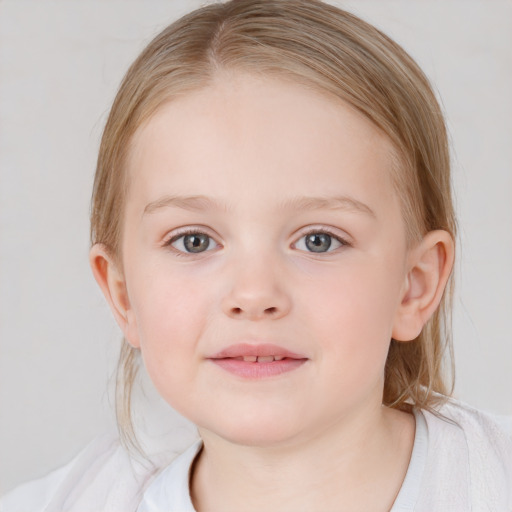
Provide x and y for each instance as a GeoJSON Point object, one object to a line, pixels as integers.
{"type": "Point", "coordinates": [256, 292]}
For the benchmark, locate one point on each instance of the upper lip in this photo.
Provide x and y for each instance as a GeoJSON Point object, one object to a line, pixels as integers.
{"type": "Point", "coordinates": [260, 349]}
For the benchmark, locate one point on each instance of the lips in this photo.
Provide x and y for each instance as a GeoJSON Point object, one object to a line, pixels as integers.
{"type": "Point", "coordinates": [257, 361]}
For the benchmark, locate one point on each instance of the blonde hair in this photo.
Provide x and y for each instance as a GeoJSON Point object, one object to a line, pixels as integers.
{"type": "Point", "coordinates": [331, 51]}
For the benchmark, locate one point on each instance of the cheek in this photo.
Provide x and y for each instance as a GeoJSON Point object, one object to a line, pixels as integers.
{"type": "Point", "coordinates": [169, 299]}
{"type": "Point", "coordinates": [358, 290]}
{"type": "Point", "coordinates": [171, 312]}
{"type": "Point", "coordinates": [352, 312]}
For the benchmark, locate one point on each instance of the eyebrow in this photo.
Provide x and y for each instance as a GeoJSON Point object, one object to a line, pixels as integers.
{"type": "Point", "coordinates": [192, 203]}
{"type": "Point", "coordinates": [199, 203]}
{"type": "Point", "coordinates": [346, 203]}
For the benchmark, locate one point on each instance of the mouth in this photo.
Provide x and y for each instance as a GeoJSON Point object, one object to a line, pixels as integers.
{"type": "Point", "coordinates": [257, 361]}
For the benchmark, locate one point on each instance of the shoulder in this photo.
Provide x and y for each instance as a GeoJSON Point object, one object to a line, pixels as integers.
{"type": "Point", "coordinates": [471, 450]}
{"type": "Point", "coordinates": [101, 477]}
{"type": "Point", "coordinates": [481, 430]}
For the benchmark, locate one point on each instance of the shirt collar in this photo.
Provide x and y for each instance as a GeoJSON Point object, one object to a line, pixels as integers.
{"type": "Point", "coordinates": [170, 491]}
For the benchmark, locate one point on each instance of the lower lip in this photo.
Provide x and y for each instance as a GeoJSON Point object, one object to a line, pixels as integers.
{"type": "Point", "coordinates": [250, 370]}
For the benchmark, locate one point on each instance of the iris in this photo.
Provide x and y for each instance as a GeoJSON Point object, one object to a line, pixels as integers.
{"type": "Point", "coordinates": [196, 243]}
{"type": "Point", "coordinates": [318, 242]}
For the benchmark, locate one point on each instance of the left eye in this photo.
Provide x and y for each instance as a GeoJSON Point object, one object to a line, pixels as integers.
{"type": "Point", "coordinates": [192, 243]}
{"type": "Point", "coordinates": [319, 242]}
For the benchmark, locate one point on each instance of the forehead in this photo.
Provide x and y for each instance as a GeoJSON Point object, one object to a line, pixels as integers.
{"type": "Point", "coordinates": [246, 136]}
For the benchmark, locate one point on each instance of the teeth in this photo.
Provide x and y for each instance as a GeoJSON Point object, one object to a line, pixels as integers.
{"type": "Point", "coordinates": [259, 359]}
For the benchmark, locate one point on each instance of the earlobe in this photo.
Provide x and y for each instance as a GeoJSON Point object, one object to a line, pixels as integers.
{"type": "Point", "coordinates": [430, 266]}
{"type": "Point", "coordinates": [112, 283]}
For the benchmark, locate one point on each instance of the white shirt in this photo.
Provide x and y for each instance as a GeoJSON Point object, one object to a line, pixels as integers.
{"type": "Point", "coordinates": [460, 462]}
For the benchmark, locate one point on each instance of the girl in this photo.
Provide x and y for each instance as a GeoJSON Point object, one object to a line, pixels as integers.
{"type": "Point", "coordinates": [272, 227]}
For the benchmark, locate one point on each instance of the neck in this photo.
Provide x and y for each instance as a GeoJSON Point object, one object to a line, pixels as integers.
{"type": "Point", "coordinates": [358, 466]}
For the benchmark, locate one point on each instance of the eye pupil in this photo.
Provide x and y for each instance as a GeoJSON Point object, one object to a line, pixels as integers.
{"type": "Point", "coordinates": [196, 243]}
{"type": "Point", "coordinates": [318, 242]}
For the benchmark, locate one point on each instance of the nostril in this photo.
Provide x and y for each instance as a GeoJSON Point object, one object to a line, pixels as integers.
{"type": "Point", "coordinates": [240, 311]}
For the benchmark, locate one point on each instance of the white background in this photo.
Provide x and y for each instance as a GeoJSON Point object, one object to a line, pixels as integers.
{"type": "Point", "coordinates": [60, 64]}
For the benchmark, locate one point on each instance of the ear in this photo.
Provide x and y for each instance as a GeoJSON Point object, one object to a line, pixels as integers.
{"type": "Point", "coordinates": [430, 264]}
{"type": "Point", "coordinates": [111, 280]}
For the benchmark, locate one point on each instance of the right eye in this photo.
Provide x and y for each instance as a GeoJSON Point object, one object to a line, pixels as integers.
{"type": "Point", "coordinates": [192, 242]}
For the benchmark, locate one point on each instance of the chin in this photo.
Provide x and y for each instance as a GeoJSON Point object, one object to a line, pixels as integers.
{"type": "Point", "coordinates": [265, 432]}
{"type": "Point", "coordinates": [259, 437]}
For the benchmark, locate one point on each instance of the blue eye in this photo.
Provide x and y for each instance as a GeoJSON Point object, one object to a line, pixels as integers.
{"type": "Point", "coordinates": [319, 242]}
{"type": "Point", "coordinates": [193, 242]}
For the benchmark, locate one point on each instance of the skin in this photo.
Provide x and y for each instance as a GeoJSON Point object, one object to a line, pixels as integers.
{"type": "Point", "coordinates": [318, 437]}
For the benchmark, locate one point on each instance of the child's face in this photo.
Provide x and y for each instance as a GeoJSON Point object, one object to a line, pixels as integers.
{"type": "Point", "coordinates": [253, 149]}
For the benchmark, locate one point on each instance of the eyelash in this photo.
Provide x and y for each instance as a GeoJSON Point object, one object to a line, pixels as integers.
{"type": "Point", "coordinates": [195, 231]}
